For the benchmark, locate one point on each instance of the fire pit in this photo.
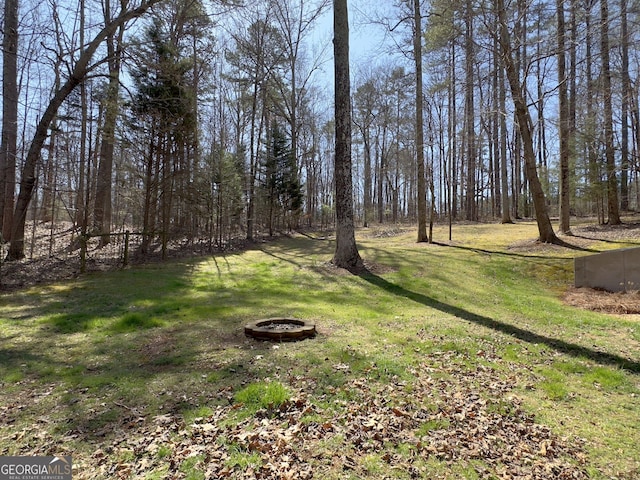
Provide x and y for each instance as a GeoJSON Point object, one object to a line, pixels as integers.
{"type": "Point", "coordinates": [280, 329]}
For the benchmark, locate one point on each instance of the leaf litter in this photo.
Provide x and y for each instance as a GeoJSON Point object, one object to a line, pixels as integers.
{"type": "Point", "coordinates": [448, 412]}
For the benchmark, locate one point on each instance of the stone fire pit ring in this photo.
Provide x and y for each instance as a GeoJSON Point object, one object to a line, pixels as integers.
{"type": "Point", "coordinates": [280, 329]}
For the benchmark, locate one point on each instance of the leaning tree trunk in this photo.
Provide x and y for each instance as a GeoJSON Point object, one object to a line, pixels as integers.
{"type": "Point", "coordinates": [525, 127]}
{"type": "Point", "coordinates": [77, 75]}
{"type": "Point", "coordinates": [346, 254]}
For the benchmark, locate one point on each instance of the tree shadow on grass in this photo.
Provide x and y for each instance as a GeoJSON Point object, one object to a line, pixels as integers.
{"type": "Point", "coordinates": [572, 349]}
{"type": "Point", "coordinates": [517, 254]}
{"type": "Point", "coordinates": [604, 240]}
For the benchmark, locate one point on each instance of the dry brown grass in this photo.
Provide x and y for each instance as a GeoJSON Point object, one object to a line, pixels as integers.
{"type": "Point", "coordinates": [623, 303]}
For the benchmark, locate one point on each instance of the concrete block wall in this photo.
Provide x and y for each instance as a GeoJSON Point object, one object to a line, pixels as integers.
{"type": "Point", "coordinates": [614, 271]}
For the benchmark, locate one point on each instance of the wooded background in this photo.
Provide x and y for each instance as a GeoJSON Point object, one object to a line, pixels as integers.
{"type": "Point", "coordinates": [187, 119]}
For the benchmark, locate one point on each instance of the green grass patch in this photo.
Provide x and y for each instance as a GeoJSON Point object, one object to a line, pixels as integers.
{"type": "Point", "coordinates": [200, 412]}
{"type": "Point", "coordinates": [134, 321]}
{"type": "Point", "coordinates": [431, 425]}
{"type": "Point", "coordinates": [606, 378]}
{"type": "Point", "coordinates": [163, 452]}
{"type": "Point", "coordinates": [243, 460]}
{"type": "Point", "coordinates": [635, 332]}
{"type": "Point", "coordinates": [554, 384]}
{"type": "Point", "coordinates": [71, 323]}
{"type": "Point", "coordinates": [158, 474]}
{"type": "Point", "coordinates": [269, 396]}
{"type": "Point", "coordinates": [14, 376]}
{"type": "Point", "coordinates": [192, 467]}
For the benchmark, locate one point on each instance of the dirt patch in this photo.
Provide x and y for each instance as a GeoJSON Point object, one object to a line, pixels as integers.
{"type": "Point", "coordinates": [622, 303]}
{"type": "Point", "coordinates": [620, 233]}
{"type": "Point", "coordinates": [583, 237]}
{"type": "Point", "coordinates": [534, 246]}
{"type": "Point", "coordinates": [386, 231]}
{"type": "Point", "coordinates": [158, 346]}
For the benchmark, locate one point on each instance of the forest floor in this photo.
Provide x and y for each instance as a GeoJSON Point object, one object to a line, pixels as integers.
{"type": "Point", "coordinates": [52, 254]}
{"type": "Point", "coordinates": [467, 359]}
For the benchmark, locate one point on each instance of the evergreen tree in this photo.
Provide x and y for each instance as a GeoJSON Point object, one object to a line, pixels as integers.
{"type": "Point", "coordinates": [165, 101]}
{"type": "Point", "coordinates": [283, 190]}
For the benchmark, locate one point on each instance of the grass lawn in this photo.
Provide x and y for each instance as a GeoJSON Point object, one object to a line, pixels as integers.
{"type": "Point", "coordinates": [454, 360]}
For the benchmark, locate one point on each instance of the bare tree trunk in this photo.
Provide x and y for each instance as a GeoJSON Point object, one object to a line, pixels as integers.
{"type": "Point", "coordinates": [634, 114]}
{"type": "Point", "coordinates": [48, 184]}
{"type": "Point", "coordinates": [540, 104]}
{"type": "Point", "coordinates": [470, 134]}
{"type": "Point", "coordinates": [495, 132]}
{"type": "Point", "coordinates": [545, 230]}
{"type": "Point", "coordinates": [366, 135]}
{"type": "Point", "coordinates": [635, 132]}
{"type": "Point", "coordinates": [590, 121]}
{"type": "Point", "coordinates": [453, 144]}
{"type": "Point", "coordinates": [380, 154]}
{"type": "Point", "coordinates": [80, 217]}
{"type": "Point", "coordinates": [366, 99]}
{"type": "Point", "coordinates": [77, 75]}
{"type": "Point", "coordinates": [612, 178]}
{"type": "Point", "coordinates": [8, 144]}
{"type": "Point", "coordinates": [563, 123]}
{"type": "Point", "coordinates": [626, 94]}
{"type": "Point", "coordinates": [573, 88]}
{"type": "Point", "coordinates": [253, 156]}
{"type": "Point", "coordinates": [422, 181]}
{"type": "Point", "coordinates": [166, 188]}
{"type": "Point", "coordinates": [504, 171]}
{"type": "Point", "coordinates": [346, 254]}
{"type": "Point", "coordinates": [150, 182]}
{"type": "Point", "coordinates": [102, 208]}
